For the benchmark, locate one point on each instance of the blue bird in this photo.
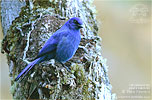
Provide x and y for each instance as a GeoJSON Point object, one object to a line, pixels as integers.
{"type": "Point", "coordinates": [61, 46]}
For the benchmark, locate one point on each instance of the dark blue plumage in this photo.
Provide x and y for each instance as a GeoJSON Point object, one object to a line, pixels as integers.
{"type": "Point", "coordinates": [61, 46]}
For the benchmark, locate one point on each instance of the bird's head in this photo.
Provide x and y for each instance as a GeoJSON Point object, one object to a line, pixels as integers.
{"type": "Point", "coordinates": [75, 23]}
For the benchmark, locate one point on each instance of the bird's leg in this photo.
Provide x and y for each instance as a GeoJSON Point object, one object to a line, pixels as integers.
{"type": "Point", "coordinates": [65, 67]}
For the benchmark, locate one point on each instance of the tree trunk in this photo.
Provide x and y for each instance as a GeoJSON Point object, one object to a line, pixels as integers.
{"type": "Point", "coordinates": [10, 9]}
{"type": "Point", "coordinates": [37, 21]}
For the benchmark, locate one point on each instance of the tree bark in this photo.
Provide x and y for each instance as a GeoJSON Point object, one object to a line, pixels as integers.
{"type": "Point", "coordinates": [37, 21]}
{"type": "Point", "coordinates": [10, 9]}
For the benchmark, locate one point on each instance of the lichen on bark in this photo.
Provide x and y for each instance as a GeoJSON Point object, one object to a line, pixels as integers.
{"type": "Point", "coordinates": [49, 80]}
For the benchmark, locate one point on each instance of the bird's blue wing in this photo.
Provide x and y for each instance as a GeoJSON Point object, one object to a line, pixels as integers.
{"type": "Point", "coordinates": [48, 47]}
{"type": "Point", "coordinates": [51, 45]}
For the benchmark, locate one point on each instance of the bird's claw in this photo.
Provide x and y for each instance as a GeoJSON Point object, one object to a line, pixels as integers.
{"type": "Point", "coordinates": [68, 69]}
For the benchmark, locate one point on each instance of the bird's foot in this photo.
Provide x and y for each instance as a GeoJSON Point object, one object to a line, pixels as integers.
{"type": "Point", "coordinates": [67, 68]}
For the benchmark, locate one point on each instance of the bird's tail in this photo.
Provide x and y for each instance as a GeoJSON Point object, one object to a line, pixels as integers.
{"type": "Point", "coordinates": [28, 68]}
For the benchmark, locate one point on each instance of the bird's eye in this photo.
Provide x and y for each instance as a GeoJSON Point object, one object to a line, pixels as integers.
{"type": "Point", "coordinates": [75, 22]}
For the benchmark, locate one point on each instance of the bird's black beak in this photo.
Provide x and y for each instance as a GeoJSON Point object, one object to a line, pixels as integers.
{"type": "Point", "coordinates": [80, 26]}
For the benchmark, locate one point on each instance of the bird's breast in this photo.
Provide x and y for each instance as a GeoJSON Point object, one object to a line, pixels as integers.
{"type": "Point", "coordinates": [67, 48]}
